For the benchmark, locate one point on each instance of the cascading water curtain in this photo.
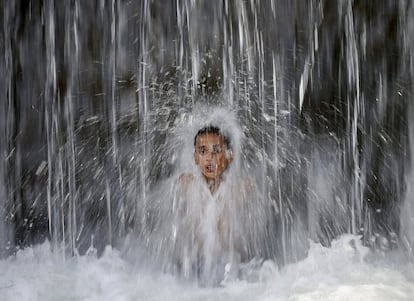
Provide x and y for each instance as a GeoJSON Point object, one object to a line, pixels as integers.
{"type": "Point", "coordinates": [407, 204]}
{"type": "Point", "coordinates": [92, 91]}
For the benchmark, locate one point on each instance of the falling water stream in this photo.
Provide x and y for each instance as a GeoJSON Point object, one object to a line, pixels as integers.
{"type": "Point", "coordinates": [100, 102]}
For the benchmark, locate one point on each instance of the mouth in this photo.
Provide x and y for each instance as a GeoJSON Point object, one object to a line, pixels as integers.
{"type": "Point", "coordinates": [210, 168]}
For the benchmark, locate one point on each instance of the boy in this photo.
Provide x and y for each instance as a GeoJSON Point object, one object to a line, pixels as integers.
{"type": "Point", "coordinates": [205, 211]}
{"type": "Point", "coordinates": [211, 219]}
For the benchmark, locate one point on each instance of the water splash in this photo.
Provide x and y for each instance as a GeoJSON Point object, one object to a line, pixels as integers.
{"type": "Point", "coordinates": [93, 91]}
{"type": "Point", "coordinates": [197, 234]}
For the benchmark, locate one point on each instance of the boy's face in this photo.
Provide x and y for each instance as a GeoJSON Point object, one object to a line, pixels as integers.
{"type": "Point", "coordinates": [210, 155]}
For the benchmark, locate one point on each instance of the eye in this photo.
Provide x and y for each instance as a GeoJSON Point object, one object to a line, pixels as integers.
{"type": "Point", "coordinates": [202, 151]}
{"type": "Point", "coordinates": [216, 149]}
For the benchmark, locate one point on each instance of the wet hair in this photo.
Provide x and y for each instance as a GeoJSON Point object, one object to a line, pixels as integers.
{"type": "Point", "coordinates": [210, 129]}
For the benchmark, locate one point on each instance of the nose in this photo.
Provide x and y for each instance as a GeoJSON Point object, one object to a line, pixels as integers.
{"type": "Point", "coordinates": [210, 156]}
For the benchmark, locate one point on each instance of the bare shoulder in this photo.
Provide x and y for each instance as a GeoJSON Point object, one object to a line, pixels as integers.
{"type": "Point", "coordinates": [185, 178]}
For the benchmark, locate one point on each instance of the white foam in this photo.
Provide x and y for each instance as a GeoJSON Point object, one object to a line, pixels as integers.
{"type": "Point", "coordinates": [337, 273]}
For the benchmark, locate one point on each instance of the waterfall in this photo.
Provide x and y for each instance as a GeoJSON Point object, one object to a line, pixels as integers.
{"type": "Point", "coordinates": [92, 91]}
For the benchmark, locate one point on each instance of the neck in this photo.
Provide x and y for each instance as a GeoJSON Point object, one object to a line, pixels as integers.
{"type": "Point", "coordinates": [213, 184]}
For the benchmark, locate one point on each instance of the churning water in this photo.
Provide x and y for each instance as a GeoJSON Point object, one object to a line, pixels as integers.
{"type": "Point", "coordinates": [100, 102]}
{"type": "Point", "coordinates": [338, 273]}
